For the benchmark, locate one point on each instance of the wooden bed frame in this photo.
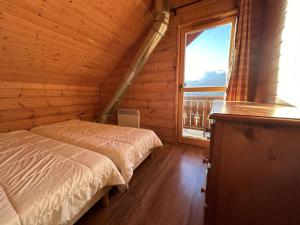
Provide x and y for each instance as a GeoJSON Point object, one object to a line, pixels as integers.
{"type": "Point", "coordinates": [143, 159]}
{"type": "Point", "coordinates": [103, 194]}
{"type": "Point", "coordinates": [151, 153]}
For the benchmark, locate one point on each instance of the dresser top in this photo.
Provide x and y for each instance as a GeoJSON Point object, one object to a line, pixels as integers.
{"type": "Point", "coordinates": [255, 113]}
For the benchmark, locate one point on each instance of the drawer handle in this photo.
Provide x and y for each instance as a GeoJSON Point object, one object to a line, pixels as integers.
{"type": "Point", "coordinates": [203, 190]}
{"type": "Point", "coordinates": [205, 161]}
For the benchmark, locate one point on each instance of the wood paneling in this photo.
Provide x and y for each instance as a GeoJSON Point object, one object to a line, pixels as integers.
{"type": "Point", "coordinates": [180, 3]}
{"type": "Point", "coordinates": [25, 105]}
{"type": "Point", "coordinates": [177, 202]}
{"type": "Point", "coordinates": [154, 91]}
{"type": "Point", "coordinates": [55, 54]}
{"type": "Point", "coordinates": [272, 23]}
{"type": "Point", "coordinates": [68, 41]}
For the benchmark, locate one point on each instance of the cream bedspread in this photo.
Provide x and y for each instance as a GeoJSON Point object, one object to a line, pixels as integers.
{"type": "Point", "coordinates": [125, 146]}
{"type": "Point", "coordinates": [43, 181]}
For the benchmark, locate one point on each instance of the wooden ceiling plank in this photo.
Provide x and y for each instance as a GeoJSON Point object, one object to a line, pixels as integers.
{"type": "Point", "coordinates": [68, 42]}
{"type": "Point", "coordinates": [48, 27]}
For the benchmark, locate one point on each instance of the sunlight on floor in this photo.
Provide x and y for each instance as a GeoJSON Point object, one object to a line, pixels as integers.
{"type": "Point", "coordinates": [193, 133]}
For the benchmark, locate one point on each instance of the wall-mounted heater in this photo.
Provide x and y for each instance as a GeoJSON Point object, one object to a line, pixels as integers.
{"type": "Point", "coordinates": [129, 118]}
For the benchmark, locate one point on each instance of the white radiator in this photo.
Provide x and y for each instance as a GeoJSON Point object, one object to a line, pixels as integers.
{"type": "Point", "coordinates": [129, 118]}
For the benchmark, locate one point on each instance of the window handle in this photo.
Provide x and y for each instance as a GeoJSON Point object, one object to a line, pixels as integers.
{"type": "Point", "coordinates": [181, 86]}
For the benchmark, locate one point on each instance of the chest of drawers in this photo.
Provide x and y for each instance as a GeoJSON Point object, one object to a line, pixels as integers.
{"type": "Point", "coordinates": [254, 172]}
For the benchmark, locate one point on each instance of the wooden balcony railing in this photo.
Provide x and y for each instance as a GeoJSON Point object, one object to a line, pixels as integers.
{"type": "Point", "coordinates": [196, 112]}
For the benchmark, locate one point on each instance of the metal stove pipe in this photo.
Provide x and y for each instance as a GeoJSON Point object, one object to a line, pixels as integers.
{"type": "Point", "coordinates": [152, 39]}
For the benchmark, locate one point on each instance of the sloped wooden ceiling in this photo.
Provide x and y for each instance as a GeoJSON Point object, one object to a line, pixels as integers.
{"type": "Point", "coordinates": [68, 41]}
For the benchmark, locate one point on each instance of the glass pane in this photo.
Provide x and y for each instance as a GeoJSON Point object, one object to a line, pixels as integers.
{"type": "Point", "coordinates": [207, 56]}
{"type": "Point", "coordinates": [196, 110]}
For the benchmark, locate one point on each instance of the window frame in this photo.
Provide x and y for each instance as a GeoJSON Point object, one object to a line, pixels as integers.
{"type": "Point", "coordinates": [182, 33]}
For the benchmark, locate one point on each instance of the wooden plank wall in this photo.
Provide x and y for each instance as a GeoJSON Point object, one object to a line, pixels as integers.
{"type": "Point", "coordinates": [25, 105]}
{"type": "Point", "coordinates": [180, 3]}
{"type": "Point", "coordinates": [154, 92]}
{"type": "Point", "coordinates": [273, 23]}
{"type": "Point", "coordinates": [54, 53]}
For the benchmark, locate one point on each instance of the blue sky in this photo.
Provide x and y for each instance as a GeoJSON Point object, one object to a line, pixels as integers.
{"type": "Point", "coordinates": [209, 51]}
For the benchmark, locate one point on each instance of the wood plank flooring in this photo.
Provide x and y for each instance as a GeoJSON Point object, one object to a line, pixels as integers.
{"type": "Point", "coordinates": [164, 191]}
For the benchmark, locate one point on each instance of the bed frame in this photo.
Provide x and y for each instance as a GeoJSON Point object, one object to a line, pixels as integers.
{"type": "Point", "coordinates": [103, 194]}
{"type": "Point", "coordinates": [142, 160]}
{"type": "Point", "coordinates": [151, 153]}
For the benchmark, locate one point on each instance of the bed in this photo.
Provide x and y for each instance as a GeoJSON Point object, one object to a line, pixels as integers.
{"type": "Point", "coordinates": [127, 147]}
{"type": "Point", "coordinates": [44, 181]}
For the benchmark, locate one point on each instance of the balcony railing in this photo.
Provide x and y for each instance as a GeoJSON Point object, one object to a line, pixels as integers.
{"type": "Point", "coordinates": [196, 112]}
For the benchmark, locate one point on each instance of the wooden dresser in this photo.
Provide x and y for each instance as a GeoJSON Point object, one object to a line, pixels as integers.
{"type": "Point", "coordinates": [254, 165]}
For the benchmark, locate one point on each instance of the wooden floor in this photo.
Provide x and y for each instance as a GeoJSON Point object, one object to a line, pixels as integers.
{"type": "Point", "coordinates": [164, 191]}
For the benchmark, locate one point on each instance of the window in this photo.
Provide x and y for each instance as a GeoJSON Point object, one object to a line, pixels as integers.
{"type": "Point", "coordinates": [288, 90]}
{"type": "Point", "coordinates": [204, 54]}
{"type": "Point", "coordinates": [206, 65]}
{"type": "Point", "coordinates": [207, 57]}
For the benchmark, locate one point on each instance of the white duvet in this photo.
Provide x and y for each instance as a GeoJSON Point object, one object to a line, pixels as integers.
{"type": "Point", "coordinates": [43, 181]}
{"type": "Point", "coordinates": [125, 146]}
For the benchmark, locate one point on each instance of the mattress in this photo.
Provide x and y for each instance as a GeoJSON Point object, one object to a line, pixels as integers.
{"type": "Point", "coordinates": [125, 146]}
{"type": "Point", "coordinates": [43, 181]}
